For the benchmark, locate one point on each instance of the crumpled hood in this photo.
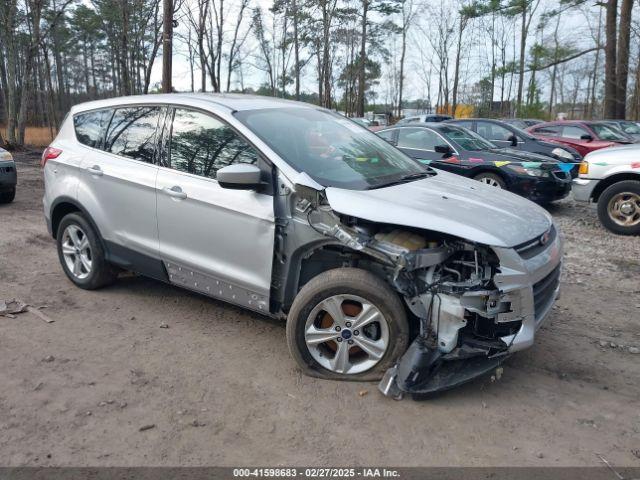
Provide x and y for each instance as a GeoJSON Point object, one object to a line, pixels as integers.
{"type": "Point", "coordinates": [449, 204]}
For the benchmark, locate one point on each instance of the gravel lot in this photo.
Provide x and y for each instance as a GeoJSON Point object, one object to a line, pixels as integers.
{"type": "Point", "coordinates": [217, 387]}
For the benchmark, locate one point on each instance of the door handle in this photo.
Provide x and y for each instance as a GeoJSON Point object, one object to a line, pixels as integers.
{"type": "Point", "coordinates": [175, 192]}
{"type": "Point", "coordinates": [95, 170]}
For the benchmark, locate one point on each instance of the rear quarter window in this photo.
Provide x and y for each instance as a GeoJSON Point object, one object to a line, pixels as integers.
{"type": "Point", "coordinates": [90, 127]}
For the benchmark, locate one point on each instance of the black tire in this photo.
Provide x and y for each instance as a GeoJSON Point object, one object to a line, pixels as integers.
{"type": "Point", "coordinates": [355, 282]}
{"type": "Point", "coordinates": [7, 197]}
{"type": "Point", "coordinates": [493, 177]}
{"type": "Point", "coordinates": [627, 186]}
{"type": "Point", "coordinates": [102, 273]}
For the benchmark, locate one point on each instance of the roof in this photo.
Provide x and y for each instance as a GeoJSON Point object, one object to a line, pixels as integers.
{"type": "Point", "coordinates": [229, 101]}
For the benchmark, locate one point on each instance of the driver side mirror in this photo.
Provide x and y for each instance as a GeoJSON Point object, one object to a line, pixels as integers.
{"type": "Point", "coordinates": [514, 140]}
{"type": "Point", "coordinates": [444, 149]}
{"type": "Point", "coordinates": [586, 137]}
{"type": "Point", "coordinates": [240, 176]}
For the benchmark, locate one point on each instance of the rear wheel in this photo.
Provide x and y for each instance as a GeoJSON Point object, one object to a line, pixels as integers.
{"type": "Point", "coordinates": [619, 207]}
{"type": "Point", "coordinates": [491, 179]}
{"type": "Point", "coordinates": [8, 196]}
{"type": "Point", "coordinates": [347, 324]}
{"type": "Point", "coordinates": [81, 254]}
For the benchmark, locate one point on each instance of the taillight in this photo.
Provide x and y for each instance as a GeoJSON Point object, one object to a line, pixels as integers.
{"type": "Point", "coordinates": [48, 154]}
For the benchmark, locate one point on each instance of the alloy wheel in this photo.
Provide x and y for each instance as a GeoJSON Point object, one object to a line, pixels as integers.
{"type": "Point", "coordinates": [76, 251]}
{"type": "Point", "coordinates": [346, 334]}
{"type": "Point", "coordinates": [489, 181]}
{"type": "Point", "coordinates": [624, 209]}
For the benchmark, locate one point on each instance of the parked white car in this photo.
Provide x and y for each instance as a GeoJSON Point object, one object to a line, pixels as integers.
{"type": "Point", "coordinates": [611, 178]}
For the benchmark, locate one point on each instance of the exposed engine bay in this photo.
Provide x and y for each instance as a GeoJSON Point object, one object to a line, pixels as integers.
{"type": "Point", "coordinates": [464, 320]}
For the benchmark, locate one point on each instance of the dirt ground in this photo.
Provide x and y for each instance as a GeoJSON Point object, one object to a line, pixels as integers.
{"type": "Point", "coordinates": [219, 388]}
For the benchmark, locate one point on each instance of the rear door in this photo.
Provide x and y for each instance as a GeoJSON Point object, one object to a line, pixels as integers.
{"type": "Point", "coordinates": [213, 240]}
{"type": "Point", "coordinates": [119, 176]}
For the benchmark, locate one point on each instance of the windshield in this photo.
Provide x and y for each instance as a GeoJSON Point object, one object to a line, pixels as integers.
{"type": "Point", "coordinates": [606, 132]}
{"type": "Point", "coordinates": [467, 139]}
{"type": "Point", "coordinates": [331, 149]}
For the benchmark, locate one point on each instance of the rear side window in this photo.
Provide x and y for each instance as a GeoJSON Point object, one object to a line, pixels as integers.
{"type": "Point", "coordinates": [418, 139]}
{"type": "Point", "coordinates": [553, 130]}
{"type": "Point", "coordinates": [132, 133]}
{"type": "Point", "coordinates": [492, 131]}
{"type": "Point", "coordinates": [202, 145]}
{"type": "Point", "coordinates": [387, 135]}
{"type": "Point", "coordinates": [466, 124]}
{"type": "Point", "coordinates": [572, 131]}
{"type": "Point", "coordinates": [90, 127]}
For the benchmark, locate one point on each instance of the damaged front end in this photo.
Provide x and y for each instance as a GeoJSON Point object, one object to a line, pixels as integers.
{"type": "Point", "coordinates": [474, 304]}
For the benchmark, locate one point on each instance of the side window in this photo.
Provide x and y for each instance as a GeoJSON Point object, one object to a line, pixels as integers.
{"type": "Point", "coordinates": [90, 127]}
{"type": "Point", "coordinates": [551, 130]}
{"type": "Point", "coordinates": [572, 131]}
{"type": "Point", "coordinates": [201, 144]}
{"type": "Point", "coordinates": [418, 138]}
{"type": "Point", "coordinates": [466, 124]}
{"type": "Point", "coordinates": [491, 131]}
{"type": "Point", "coordinates": [132, 133]}
{"type": "Point", "coordinates": [387, 135]}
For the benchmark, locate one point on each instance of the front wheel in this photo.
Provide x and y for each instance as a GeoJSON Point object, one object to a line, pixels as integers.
{"type": "Point", "coordinates": [491, 179]}
{"type": "Point", "coordinates": [347, 324]}
{"type": "Point", "coordinates": [619, 207]}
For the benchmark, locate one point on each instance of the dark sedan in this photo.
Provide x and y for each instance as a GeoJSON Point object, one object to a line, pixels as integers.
{"type": "Point", "coordinates": [459, 150]}
{"type": "Point", "coordinates": [8, 178]}
{"type": "Point", "coordinates": [508, 136]}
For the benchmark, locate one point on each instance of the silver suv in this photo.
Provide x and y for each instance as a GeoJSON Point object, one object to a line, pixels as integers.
{"type": "Point", "coordinates": [380, 265]}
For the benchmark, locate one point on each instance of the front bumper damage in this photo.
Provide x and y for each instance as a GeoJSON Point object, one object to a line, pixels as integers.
{"type": "Point", "coordinates": [475, 304]}
{"type": "Point", "coordinates": [526, 291]}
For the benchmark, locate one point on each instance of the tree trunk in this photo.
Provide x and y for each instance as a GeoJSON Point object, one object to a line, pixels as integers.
{"type": "Point", "coordinates": [25, 98]}
{"type": "Point", "coordinates": [523, 49]}
{"type": "Point", "coordinates": [401, 75]}
{"type": "Point", "coordinates": [456, 74]}
{"type": "Point", "coordinates": [124, 45]}
{"type": "Point", "coordinates": [610, 83]}
{"type": "Point", "coordinates": [622, 68]}
{"type": "Point", "coordinates": [167, 38]}
{"type": "Point", "coordinates": [9, 14]}
{"type": "Point", "coordinates": [362, 67]}
{"type": "Point", "coordinates": [296, 47]}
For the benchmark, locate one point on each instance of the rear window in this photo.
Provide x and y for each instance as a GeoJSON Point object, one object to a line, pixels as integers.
{"type": "Point", "coordinates": [90, 127]}
{"type": "Point", "coordinates": [132, 133]}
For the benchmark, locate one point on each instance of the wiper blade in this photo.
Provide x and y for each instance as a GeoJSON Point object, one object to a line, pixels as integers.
{"type": "Point", "coordinates": [415, 176]}
{"type": "Point", "coordinates": [406, 179]}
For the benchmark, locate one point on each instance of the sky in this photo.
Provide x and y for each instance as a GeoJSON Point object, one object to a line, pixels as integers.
{"type": "Point", "coordinates": [575, 28]}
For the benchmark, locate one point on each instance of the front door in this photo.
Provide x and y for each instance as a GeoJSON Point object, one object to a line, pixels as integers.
{"type": "Point", "coordinates": [213, 240]}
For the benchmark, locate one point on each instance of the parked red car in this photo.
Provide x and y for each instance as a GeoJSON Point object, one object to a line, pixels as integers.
{"type": "Point", "coordinates": [583, 136]}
